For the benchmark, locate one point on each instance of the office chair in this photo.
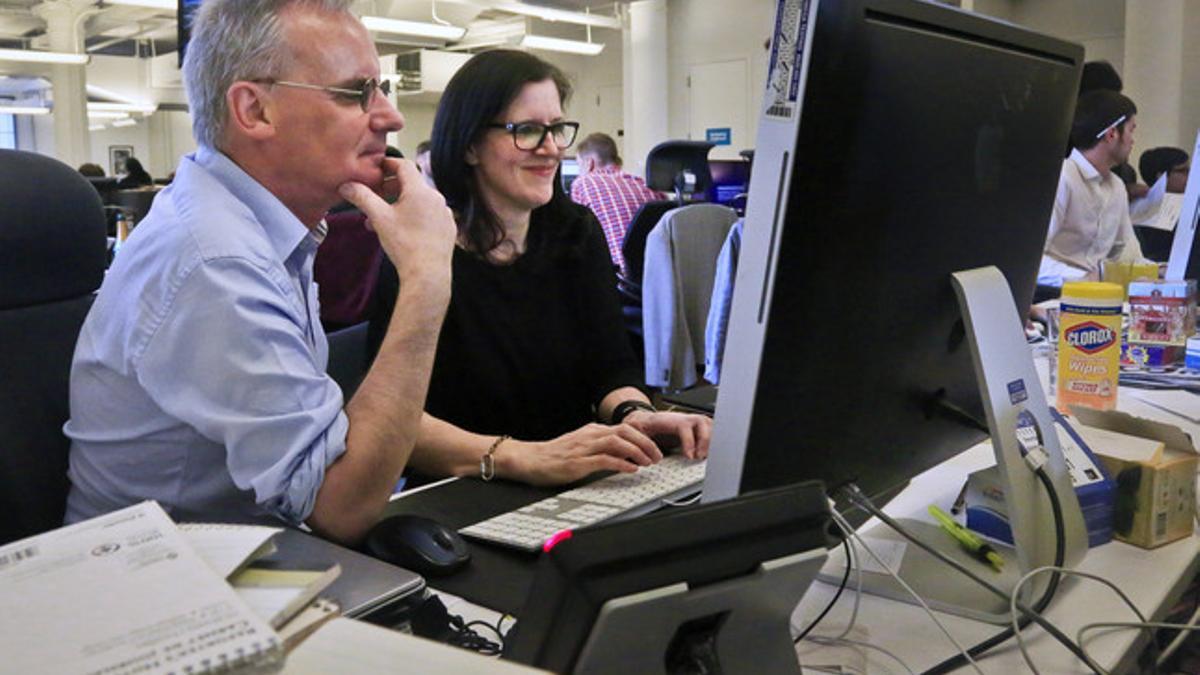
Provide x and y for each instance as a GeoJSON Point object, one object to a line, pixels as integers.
{"type": "Point", "coordinates": [52, 255]}
{"type": "Point", "coordinates": [679, 167]}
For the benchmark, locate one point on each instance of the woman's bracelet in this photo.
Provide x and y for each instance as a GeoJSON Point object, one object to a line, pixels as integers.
{"type": "Point", "coordinates": [487, 463]}
{"type": "Point", "coordinates": [622, 410]}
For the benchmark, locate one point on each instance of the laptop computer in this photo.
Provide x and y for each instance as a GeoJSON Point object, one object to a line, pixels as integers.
{"type": "Point", "coordinates": [364, 587]}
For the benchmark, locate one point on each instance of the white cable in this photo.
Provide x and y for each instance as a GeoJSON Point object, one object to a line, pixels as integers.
{"type": "Point", "coordinates": [1066, 572]}
{"type": "Point", "coordinates": [859, 643]}
{"type": "Point", "coordinates": [847, 532]}
{"type": "Point", "coordinates": [921, 601]}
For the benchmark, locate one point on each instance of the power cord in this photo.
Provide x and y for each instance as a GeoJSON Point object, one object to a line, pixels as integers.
{"type": "Point", "coordinates": [432, 620]}
{"type": "Point", "coordinates": [1040, 605]}
{"type": "Point", "coordinates": [859, 499]}
{"type": "Point", "coordinates": [841, 587]}
{"type": "Point", "coordinates": [921, 601]}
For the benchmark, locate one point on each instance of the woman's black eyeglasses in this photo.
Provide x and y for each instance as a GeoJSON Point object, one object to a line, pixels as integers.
{"type": "Point", "coordinates": [530, 135]}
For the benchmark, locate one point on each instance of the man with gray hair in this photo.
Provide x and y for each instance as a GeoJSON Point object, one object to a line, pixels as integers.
{"type": "Point", "coordinates": [199, 376]}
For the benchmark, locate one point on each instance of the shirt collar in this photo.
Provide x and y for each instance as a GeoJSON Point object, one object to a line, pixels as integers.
{"type": "Point", "coordinates": [283, 229]}
{"type": "Point", "coordinates": [1085, 166]}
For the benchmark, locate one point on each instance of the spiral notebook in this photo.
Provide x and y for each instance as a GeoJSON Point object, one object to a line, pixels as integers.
{"type": "Point", "coordinates": [124, 593]}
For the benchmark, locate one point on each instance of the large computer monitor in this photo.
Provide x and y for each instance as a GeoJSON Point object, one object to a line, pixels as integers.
{"type": "Point", "coordinates": [569, 168]}
{"type": "Point", "coordinates": [730, 180]}
{"type": "Point", "coordinates": [899, 142]}
{"type": "Point", "coordinates": [1184, 262]}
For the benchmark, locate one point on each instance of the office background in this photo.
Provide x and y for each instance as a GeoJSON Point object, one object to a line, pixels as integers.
{"type": "Point", "coordinates": [678, 68]}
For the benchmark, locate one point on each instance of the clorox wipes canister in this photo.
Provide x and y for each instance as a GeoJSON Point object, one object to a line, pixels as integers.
{"type": "Point", "coordinates": [1089, 344]}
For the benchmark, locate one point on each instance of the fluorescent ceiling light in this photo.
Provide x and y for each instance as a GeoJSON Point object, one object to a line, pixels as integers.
{"type": "Point", "coordinates": [30, 56]}
{"type": "Point", "coordinates": [106, 115]}
{"type": "Point", "coordinates": [96, 127]}
{"type": "Point", "coordinates": [23, 110]}
{"type": "Point", "coordinates": [101, 92]}
{"type": "Point", "coordinates": [152, 4]}
{"type": "Point", "coordinates": [549, 14]}
{"type": "Point", "coordinates": [144, 108]}
{"type": "Point", "coordinates": [417, 28]}
{"type": "Point", "coordinates": [127, 122]}
{"type": "Point", "coordinates": [560, 45]}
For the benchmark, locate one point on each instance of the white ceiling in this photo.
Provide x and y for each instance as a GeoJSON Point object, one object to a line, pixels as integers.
{"type": "Point", "coordinates": [129, 31]}
{"type": "Point", "coordinates": [19, 24]}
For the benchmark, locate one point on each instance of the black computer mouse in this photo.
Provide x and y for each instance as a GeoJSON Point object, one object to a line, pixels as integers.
{"type": "Point", "coordinates": [418, 544]}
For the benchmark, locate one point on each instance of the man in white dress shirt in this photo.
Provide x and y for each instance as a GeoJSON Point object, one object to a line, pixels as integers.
{"type": "Point", "coordinates": [1090, 222]}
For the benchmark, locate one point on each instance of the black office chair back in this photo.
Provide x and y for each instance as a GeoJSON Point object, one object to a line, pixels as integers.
{"type": "Point", "coordinates": [52, 255]}
{"type": "Point", "coordinates": [679, 168]}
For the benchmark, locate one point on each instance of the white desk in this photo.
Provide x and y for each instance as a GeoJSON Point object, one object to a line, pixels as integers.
{"type": "Point", "coordinates": [1154, 580]}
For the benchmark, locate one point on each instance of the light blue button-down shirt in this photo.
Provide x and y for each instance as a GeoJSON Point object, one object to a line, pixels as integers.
{"type": "Point", "coordinates": [199, 377]}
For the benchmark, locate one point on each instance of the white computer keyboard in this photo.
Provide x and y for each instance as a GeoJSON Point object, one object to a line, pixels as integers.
{"type": "Point", "coordinates": [621, 495]}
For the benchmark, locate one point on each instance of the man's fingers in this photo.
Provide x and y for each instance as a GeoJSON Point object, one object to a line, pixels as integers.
{"type": "Point", "coordinates": [366, 200]}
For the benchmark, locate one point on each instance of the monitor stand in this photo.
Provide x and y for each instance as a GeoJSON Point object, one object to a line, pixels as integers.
{"type": "Point", "coordinates": [738, 625]}
{"type": "Point", "coordinates": [1009, 385]}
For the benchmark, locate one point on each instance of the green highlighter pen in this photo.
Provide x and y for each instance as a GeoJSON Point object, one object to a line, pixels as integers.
{"type": "Point", "coordinates": [967, 539]}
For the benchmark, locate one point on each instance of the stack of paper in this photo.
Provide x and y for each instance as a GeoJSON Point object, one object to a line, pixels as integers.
{"type": "Point", "coordinates": [283, 594]}
{"type": "Point", "coordinates": [124, 593]}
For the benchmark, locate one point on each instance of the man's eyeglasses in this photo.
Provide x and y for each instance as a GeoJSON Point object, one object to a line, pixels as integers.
{"type": "Point", "coordinates": [531, 135]}
{"type": "Point", "coordinates": [364, 95]}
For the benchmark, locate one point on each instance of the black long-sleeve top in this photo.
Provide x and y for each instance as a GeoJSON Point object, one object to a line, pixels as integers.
{"type": "Point", "coordinates": [530, 348]}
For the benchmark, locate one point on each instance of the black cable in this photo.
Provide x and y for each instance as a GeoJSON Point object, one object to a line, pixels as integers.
{"type": "Point", "coordinates": [845, 578]}
{"type": "Point", "coordinates": [861, 500]}
{"type": "Point", "coordinates": [958, 660]}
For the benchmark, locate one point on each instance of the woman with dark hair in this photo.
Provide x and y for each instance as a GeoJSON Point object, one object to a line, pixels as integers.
{"type": "Point", "coordinates": [533, 350]}
{"type": "Point", "coordinates": [135, 176]}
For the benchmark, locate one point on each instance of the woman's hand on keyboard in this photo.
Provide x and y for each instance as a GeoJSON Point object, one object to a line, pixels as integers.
{"type": "Point", "coordinates": [690, 433]}
{"type": "Point", "coordinates": [574, 455]}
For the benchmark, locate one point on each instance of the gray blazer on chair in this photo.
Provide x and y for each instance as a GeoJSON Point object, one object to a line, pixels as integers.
{"type": "Point", "coordinates": [681, 258]}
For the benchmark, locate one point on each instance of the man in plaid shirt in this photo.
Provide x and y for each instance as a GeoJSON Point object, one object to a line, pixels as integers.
{"type": "Point", "coordinates": [612, 194]}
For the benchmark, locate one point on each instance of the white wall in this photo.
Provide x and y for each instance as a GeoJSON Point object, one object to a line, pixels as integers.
{"type": "Point", "coordinates": [711, 31]}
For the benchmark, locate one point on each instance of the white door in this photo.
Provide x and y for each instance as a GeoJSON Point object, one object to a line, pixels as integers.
{"type": "Point", "coordinates": [718, 106]}
{"type": "Point", "coordinates": [609, 114]}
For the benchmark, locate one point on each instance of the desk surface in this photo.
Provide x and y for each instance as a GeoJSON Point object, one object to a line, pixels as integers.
{"type": "Point", "coordinates": [499, 578]}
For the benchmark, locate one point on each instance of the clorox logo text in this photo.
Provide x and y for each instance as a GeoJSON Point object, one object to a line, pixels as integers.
{"type": "Point", "coordinates": [1090, 337]}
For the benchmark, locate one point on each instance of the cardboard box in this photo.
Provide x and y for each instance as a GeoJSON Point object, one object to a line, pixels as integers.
{"type": "Point", "coordinates": [1154, 468]}
{"type": "Point", "coordinates": [987, 512]}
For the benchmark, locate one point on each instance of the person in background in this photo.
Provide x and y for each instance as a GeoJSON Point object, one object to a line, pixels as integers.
{"type": "Point", "coordinates": [422, 160]}
{"type": "Point", "coordinates": [135, 176]}
{"type": "Point", "coordinates": [91, 170]}
{"type": "Point", "coordinates": [1171, 161]}
{"type": "Point", "coordinates": [1100, 75]}
{"type": "Point", "coordinates": [1090, 221]}
{"type": "Point", "coordinates": [199, 379]}
{"type": "Point", "coordinates": [612, 194]}
{"type": "Point", "coordinates": [533, 351]}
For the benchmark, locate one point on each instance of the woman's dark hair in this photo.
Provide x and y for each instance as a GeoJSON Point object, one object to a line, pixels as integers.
{"type": "Point", "coordinates": [477, 94]}
{"type": "Point", "coordinates": [1157, 161]}
{"type": "Point", "coordinates": [135, 170]}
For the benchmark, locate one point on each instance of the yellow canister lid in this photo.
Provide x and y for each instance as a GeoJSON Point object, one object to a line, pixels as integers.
{"type": "Point", "coordinates": [1093, 290]}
